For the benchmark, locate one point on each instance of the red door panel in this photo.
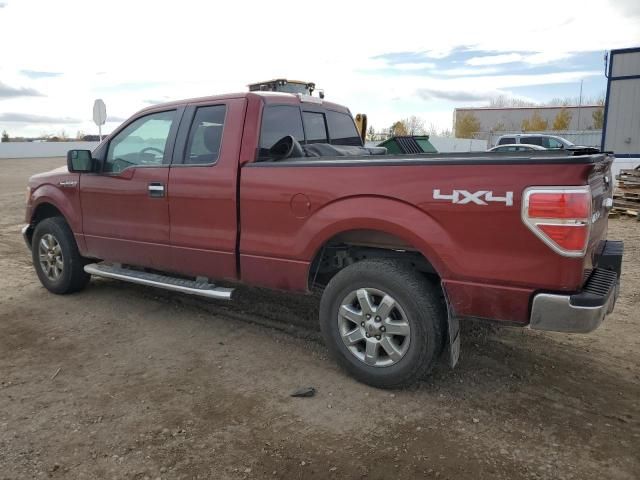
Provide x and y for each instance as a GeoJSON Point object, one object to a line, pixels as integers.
{"type": "Point", "coordinates": [122, 222]}
{"type": "Point", "coordinates": [202, 198]}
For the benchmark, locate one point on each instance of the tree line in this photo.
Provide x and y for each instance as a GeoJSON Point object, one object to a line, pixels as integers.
{"type": "Point", "coordinates": [468, 126]}
{"type": "Point", "coordinates": [412, 125]}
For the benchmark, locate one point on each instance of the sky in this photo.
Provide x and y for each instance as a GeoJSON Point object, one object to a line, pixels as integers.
{"type": "Point", "coordinates": [387, 59]}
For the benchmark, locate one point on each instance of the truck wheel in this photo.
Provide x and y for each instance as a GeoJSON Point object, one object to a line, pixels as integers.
{"type": "Point", "coordinates": [383, 322]}
{"type": "Point", "coordinates": [56, 259]}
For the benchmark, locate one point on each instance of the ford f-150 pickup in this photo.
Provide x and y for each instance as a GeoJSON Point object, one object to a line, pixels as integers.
{"type": "Point", "coordinates": [277, 190]}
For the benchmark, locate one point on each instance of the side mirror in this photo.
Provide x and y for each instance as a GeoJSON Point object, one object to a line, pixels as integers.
{"type": "Point", "coordinates": [80, 161]}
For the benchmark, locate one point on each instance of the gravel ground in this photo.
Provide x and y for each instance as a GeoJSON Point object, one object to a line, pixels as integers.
{"type": "Point", "coordinates": [122, 381]}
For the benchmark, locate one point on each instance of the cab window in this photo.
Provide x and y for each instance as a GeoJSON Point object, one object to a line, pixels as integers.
{"type": "Point", "coordinates": [141, 143]}
{"type": "Point", "coordinates": [342, 129]}
{"type": "Point", "coordinates": [205, 136]}
{"type": "Point", "coordinates": [279, 121]}
{"type": "Point", "coordinates": [314, 127]}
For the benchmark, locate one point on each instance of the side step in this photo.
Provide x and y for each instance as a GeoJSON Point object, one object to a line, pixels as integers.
{"type": "Point", "coordinates": [198, 287]}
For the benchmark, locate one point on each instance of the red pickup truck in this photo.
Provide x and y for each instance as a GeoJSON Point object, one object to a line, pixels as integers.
{"type": "Point", "coordinates": [277, 190]}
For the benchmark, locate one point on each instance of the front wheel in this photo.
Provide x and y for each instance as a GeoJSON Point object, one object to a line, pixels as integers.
{"type": "Point", "coordinates": [383, 322]}
{"type": "Point", "coordinates": [56, 259]}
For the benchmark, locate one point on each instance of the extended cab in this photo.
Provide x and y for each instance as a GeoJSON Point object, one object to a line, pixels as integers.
{"type": "Point", "coordinates": [276, 190]}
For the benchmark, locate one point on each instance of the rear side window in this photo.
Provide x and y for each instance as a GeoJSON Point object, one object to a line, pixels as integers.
{"type": "Point", "coordinates": [506, 140]}
{"type": "Point", "coordinates": [531, 140]}
{"type": "Point", "coordinates": [205, 136]}
{"type": "Point", "coordinates": [279, 121]}
{"type": "Point", "coordinates": [342, 129]}
{"type": "Point", "coordinates": [314, 127]}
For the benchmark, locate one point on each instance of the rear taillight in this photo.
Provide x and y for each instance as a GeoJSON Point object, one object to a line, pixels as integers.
{"type": "Point", "coordinates": [560, 217]}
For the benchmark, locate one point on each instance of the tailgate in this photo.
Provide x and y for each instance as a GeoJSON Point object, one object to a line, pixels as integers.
{"type": "Point", "coordinates": [601, 184]}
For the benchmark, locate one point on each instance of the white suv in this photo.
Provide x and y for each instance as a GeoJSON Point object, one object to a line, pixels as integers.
{"type": "Point", "coordinates": [547, 141]}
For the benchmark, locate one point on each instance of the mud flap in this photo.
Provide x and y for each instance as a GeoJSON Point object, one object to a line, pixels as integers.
{"type": "Point", "coordinates": [453, 332]}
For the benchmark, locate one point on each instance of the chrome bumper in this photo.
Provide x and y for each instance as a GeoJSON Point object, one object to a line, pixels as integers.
{"type": "Point", "coordinates": [558, 314]}
{"type": "Point", "coordinates": [25, 235]}
{"type": "Point", "coordinates": [584, 311]}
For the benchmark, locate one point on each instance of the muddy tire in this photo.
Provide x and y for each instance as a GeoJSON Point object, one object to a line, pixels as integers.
{"type": "Point", "coordinates": [56, 259]}
{"type": "Point", "coordinates": [383, 322]}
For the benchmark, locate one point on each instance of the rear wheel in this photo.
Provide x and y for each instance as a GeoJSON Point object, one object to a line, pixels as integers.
{"type": "Point", "coordinates": [56, 259]}
{"type": "Point", "coordinates": [383, 322]}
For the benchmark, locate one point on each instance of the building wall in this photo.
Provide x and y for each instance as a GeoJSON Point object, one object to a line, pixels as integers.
{"type": "Point", "coordinates": [448, 144]}
{"type": "Point", "coordinates": [41, 149]}
{"type": "Point", "coordinates": [510, 119]}
{"type": "Point", "coordinates": [622, 123]}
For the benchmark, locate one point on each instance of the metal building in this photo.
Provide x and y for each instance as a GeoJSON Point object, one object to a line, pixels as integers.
{"type": "Point", "coordinates": [509, 119]}
{"type": "Point", "coordinates": [621, 132]}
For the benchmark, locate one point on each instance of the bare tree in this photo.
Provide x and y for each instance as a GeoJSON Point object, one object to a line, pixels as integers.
{"type": "Point", "coordinates": [432, 130]}
{"type": "Point", "coordinates": [371, 133]}
{"type": "Point", "coordinates": [502, 101]}
{"type": "Point", "coordinates": [414, 125]}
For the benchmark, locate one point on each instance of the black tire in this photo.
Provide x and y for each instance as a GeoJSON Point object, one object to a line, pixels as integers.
{"type": "Point", "coordinates": [73, 278]}
{"type": "Point", "coordinates": [422, 304]}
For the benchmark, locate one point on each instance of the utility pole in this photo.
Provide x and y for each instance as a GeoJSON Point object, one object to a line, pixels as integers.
{"type": "Point", "coordinates": [580, 104]}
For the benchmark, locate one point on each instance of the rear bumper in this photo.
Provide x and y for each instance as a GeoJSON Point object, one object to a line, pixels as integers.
{"type": "Point", "coordinates": [584, 311]}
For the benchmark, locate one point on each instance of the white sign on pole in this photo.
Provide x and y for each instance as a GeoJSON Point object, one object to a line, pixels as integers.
{"type": "Point", "coordinates": [99, 114]}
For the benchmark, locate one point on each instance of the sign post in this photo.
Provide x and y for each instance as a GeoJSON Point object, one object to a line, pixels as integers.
{"type": "Point", "coordinates": [99, 115]}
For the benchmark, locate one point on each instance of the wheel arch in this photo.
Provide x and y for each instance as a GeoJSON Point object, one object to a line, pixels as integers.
{"type": "Point", "coordinates": [380, 224]}
{"type": "Point", "coordinates": [48, 201]}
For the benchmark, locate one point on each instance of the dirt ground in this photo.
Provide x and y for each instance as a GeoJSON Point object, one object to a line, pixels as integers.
{"type": "Point", "coordinates": [121, 381]}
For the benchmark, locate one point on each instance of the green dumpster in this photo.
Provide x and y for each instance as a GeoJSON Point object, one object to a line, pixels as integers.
{"type": "Point", "coordinates": [410, 144]}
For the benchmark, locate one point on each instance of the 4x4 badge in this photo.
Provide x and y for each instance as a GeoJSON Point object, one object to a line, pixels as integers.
{"type": "Point", "coordinates": [481, 197]}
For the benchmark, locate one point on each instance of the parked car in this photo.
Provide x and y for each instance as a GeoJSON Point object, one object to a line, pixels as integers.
{"type": "Point", "coordinates": [276, 190]}
{"type": "Point", "coordinates": [516, 147]}
{"type": "Point", "coordinates": [547, 141]}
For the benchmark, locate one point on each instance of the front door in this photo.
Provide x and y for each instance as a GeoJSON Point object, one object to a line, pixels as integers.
{"type": "Point", "coordinates": [125, 210]}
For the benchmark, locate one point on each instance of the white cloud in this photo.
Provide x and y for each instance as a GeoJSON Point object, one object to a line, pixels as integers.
{"type": "Point", "coordinates": [545, 57]}
{"type": "Point", "coordinates": [495, 59]}
{"type": "Point", "coordinates": [469, 71]}
{"type": "Point", "coordinates": [532, 59]}
{"type": "Point", "coordinates": [413, 66]}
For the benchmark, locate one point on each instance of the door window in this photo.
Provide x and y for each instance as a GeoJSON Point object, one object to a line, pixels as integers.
{"type": "Point", "coordinates": [552, 143]}
{"type": "Point", "coordinates": [531, 140]}
{"type": "Point", "coordinates": [205, 135]}
{"type": "Point", "coordinates": [506, 140]}
{"type": "Point", "coordinates": [141, 143]}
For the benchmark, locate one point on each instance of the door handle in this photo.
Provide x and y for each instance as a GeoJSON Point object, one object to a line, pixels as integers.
{"type": "Point", "coordinates": [156, 190]}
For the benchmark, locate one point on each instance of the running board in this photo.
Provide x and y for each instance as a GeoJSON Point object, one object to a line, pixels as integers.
{"type": "Point", "coordinates": [198, 287]}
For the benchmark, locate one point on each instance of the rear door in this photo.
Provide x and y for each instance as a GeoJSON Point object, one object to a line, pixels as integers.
{"type": "Point", "coordinates": [125, 212]}
{"type": "Point", "coordinates": [202, 189]}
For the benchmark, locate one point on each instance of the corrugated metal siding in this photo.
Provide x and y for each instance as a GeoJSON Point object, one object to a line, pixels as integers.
{"type": "Point", "coordinates": [623, 108]}
{"type": "Point", "coordinates": [624, 64]}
